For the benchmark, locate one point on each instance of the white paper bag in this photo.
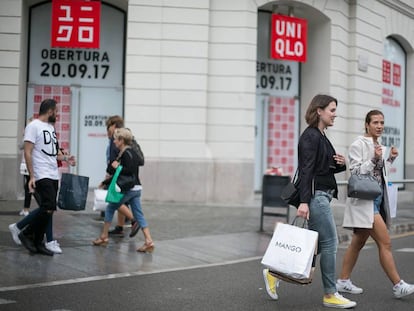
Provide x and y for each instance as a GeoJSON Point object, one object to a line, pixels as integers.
{"type": "Point", "coordinates": [291, 251]}
{"type": "Point", "coordinates": [99, 203]}
{"type": "Point", "coordinates": [392, 198]}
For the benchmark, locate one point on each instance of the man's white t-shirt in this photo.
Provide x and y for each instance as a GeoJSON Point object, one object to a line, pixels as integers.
{"type": "Point", "coordinates": [45, 150]}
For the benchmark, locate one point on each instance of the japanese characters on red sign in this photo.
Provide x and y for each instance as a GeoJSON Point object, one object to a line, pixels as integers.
{"type": "Point", "coordinates": [396, 74]}
{"type": "Point", "coordinates": [288, 38]}
{"type": "Point", "coordinates": [75, 24]}
{"type": "Point", "coordinates": [386, 71]}
{"type": "Point", "coordinates": [389, 76]}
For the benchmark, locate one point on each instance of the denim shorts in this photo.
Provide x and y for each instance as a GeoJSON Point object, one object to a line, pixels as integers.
{"type": "Point", "coordinates": [377, 204]}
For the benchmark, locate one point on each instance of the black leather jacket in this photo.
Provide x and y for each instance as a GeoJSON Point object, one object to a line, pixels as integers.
{"type": "Point", "coordinates": [316, 164]}
{"type": "Point", "coordinates": [129, 162]}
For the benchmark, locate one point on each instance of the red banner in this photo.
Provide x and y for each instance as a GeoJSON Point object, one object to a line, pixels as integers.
{"type": "Point", "coordinates": [396, 74]}
{"type": "Point", "coordinates": [75, 24]}
{"type": "Point", "coordinates": [288, 38]}
{"type": "Point", "coordinates": [386, 71]}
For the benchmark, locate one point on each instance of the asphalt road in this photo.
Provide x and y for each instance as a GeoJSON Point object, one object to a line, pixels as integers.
{"type": "Point", "coordinates": [232, 286]}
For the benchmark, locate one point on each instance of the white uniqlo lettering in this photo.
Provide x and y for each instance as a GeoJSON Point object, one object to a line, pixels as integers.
{"type": "Point", "coordinates": [67, 18]}
{"type": "Point", "coordinates": [290, 29]}
{"type": "Point", "coordinates": [85, 30]}
{"type": "Point", "coordinates": [85, 33]}
{"type": "Point", "coordinates": [65, 31]}
{"type": "Point", "coordinates": [286, 46]}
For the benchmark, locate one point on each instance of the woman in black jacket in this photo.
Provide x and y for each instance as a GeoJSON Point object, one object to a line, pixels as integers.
{"type": "Point", "coordinates": [318, 162]}
{"type": "Point", "coordinates": [128, 158]}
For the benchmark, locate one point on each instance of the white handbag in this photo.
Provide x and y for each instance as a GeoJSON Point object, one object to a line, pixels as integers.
{"type": "Point", "coordinates": [291, 252]}
{"type": "Point", "coordinates": [99, 203]}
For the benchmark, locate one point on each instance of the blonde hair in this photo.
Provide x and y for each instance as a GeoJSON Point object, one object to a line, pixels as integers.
{"type": "Point", "coordinates": [124, 134]}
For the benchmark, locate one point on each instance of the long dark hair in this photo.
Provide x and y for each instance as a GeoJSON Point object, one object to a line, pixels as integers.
{"type": "Point", "coordinates": [319, 101]}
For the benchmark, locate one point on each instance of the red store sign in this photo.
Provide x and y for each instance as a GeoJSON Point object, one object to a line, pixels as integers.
{"type": "Point", "coordinates": [386, 71]}
{"type": "Point", "coordinates": [75, 24]}
{"type": "Point", "coordinates": [391, 72]}
{"type": "Point", "coordinates": [288, 38]}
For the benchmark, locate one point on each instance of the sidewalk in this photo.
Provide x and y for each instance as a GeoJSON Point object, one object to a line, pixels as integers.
{"type": "Point", "coordinates": [185, 236]}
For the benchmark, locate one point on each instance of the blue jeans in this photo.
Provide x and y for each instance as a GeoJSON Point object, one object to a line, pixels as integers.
{"type": "Point", "coordinates": [321, 220]}
{"type": "Point", "coordinates": [32, 215]}
{"type": "Point", "coordinates": [133, 199]}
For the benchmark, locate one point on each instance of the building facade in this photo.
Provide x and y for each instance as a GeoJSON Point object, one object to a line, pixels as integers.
{"type": "Point", "coordinates": [195, 82]}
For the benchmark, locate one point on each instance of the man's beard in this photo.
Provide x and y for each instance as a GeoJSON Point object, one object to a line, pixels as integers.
{"type": "Point", "coordinates": [51, 119]}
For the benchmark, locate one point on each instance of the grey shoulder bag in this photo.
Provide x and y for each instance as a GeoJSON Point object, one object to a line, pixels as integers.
{"type": "Point", "coordinates": [363, 186]}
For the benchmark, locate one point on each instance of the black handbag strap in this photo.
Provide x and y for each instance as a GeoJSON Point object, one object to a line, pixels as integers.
{"type": "Point", "coordinates": [297, 219]}
{"type": "Point", "coordinates": [295, 177]}
{"type": "Point", "coordinates": [121, 152]}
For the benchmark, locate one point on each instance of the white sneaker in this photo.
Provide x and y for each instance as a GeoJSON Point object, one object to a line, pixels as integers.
{"type": "Point", "coordinates": [15, 233]}
{"type": "Point", "coordinates": [54, 246]}
{"type": "Point", "coordinates": [23, 213]}
{"type": "Point", "coordinates": [346, 286]}
{"type": "Point", "coordinates": [403, 289]}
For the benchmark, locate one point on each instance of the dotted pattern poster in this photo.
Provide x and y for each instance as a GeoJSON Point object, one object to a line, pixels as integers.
{"type": "Point", "coordinates": [281, 144]}
{"type": "Point", "coordinates": [62, 95]}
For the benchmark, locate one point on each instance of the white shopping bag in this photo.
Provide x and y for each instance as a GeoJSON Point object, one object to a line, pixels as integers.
{"type": "Point", "coordinates": [392, 198]}
{"type": "Point", "coordinates": [99, 203]}
{"type": "Point", "coordinates": [291, 251]}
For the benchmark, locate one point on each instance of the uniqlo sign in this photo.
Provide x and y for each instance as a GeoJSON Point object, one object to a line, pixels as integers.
{"type": "Point", "coordinates": [396, 74]}
{"type": "Point", "coordinates": [391, 72]}
{"type": "Point", "coordinates": [75, 24]}
{"type": "Point", "coordinates": [386, 71]}
{"type": "Point", "coordinates": [288, 38]}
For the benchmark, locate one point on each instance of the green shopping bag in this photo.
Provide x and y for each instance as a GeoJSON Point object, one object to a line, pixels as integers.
{"type": "Point", "coordinates": [113, 196]}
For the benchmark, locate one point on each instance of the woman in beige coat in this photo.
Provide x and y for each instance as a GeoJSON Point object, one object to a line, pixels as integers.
{"type": "Point", "coordinates": [371, 218]}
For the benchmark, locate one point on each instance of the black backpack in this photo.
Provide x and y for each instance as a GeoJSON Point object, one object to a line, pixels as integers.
{"type": "Point", "coordinates": [135, 146]}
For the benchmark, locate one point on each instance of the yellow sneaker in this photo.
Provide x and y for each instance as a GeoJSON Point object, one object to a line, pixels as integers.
{"type": "Point", "coordinates": [338, 301]}
{"type": "Point", "coordinates": [271, 284]}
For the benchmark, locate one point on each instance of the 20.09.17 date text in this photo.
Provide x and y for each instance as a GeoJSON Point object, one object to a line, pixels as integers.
{"type": "Point", "coordinates": [274, 82]}
{"type": "Point", "coordinates": [74, 71]}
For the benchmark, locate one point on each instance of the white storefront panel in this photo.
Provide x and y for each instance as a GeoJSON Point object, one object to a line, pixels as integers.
{"type": "Point", "coordinates": [87, 83]}
{"type": "Point", "coordinates": [277, 107]}
{"type": "Point", "coordinates": [393, 103]}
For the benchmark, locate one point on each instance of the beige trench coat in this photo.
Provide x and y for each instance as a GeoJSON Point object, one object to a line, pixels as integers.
{"type": "Point", "coordinates": [360, 213]}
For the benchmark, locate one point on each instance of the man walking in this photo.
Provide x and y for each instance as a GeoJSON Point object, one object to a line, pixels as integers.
{"type": "Point", "coordinates": [41, 155]}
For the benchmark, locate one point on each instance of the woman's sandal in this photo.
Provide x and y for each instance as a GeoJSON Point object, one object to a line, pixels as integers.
{"type": "Point", "coordinates": [146, 248]}
{"type": "Point", "coordinates": [100, 241]}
